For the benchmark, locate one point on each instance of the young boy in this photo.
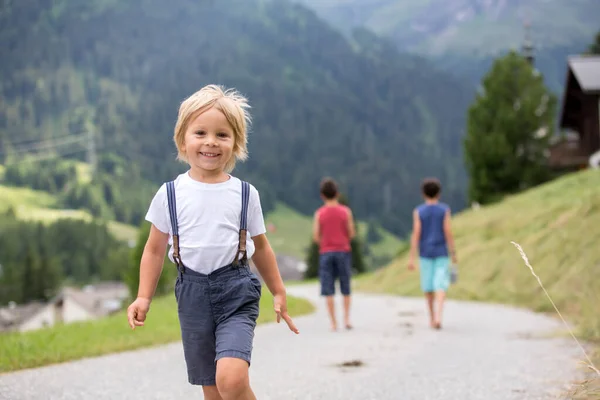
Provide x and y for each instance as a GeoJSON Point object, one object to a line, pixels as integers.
{"type": "Point", "coordinates": [214, 223]}
{"type": "Point", "coordinates": [432, 235]}
{"type": "Point", "coordinates": [333, 229]}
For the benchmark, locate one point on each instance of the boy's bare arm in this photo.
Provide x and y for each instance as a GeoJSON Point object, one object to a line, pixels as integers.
{"type": "Point", "coordinates": [414, 239]}
{"type": "Point", "coordinates": [266, 263]}
{"type": "Point", "coordinates": [152, 262]}
{"type": "Point", "coordinates": [351, 228]}
{"type": "Point", "coordinates": [150, 269]}
{"type": "Point", "coordinates": [449, 236]}
{"type": "Point", "coordinates": [315, 228]}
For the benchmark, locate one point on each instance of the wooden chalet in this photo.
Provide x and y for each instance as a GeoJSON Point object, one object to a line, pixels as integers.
{"type": "Point", "coordinates": [580, 116]}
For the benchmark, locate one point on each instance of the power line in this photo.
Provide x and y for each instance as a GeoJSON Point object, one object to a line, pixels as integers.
{"type": "Point", "coordinates": [34, 140]}
{"type": "Point", "coordinates": [46, 145]}
{"type": "Point", "coordinates": [51, 147]}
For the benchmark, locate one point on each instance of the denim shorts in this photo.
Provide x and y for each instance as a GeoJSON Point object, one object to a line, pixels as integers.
{"type": "Point", "coordinates": [334, 265]}
{"type": "Point", "coordinates": [435, 274]}
{"type": "Point", "coordinates": [217, 314]}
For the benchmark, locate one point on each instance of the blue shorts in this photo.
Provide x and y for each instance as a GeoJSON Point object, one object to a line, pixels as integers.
{"type": "Point", "coordinates": [335, 265]}
{"type": "Point", "coordinates": [435, 274]}
{"type": "Point", "coordinates": [217, 314]}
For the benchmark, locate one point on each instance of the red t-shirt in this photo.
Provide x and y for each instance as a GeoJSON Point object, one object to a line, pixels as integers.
{"type": "Point", "coordinates": [333, 229]}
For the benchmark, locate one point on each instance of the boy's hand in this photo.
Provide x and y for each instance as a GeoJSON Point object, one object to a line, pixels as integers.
{"type": "Point", "coordinates": [454, 259]}
{"type": "Point", "coordinates": [411, 265]}
{"type": "Point", "coordinates": [136, 312]}
{"type": "Point", "coordinates": [280, 307]}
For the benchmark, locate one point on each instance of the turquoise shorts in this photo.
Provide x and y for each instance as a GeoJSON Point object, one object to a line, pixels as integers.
{"type": "Point", "coordinates": [435, 274]}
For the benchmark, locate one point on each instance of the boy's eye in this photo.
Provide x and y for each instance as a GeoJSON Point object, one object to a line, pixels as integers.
{"type": "Point", "coordinates": [223, 134]}
{"type": "Point", "coordinates": [200, 133]}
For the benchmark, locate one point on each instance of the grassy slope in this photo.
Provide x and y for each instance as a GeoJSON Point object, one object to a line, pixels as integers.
{"type": "Point", "coordinates": [112, 334]}
{"type": "Point", "coordinates": [37, 205]}
{"type": "Point", "coordinates": [293, 232]}
{"type": "Point", "coordinates": [558, 226]}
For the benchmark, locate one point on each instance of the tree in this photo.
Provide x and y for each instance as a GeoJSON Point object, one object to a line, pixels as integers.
{"type": "Point", "coordinates": [508, 129]}
{"type": "Point", "coordinates": [373, 235]}
{"type": "Point", "coordinates": [595, 47]}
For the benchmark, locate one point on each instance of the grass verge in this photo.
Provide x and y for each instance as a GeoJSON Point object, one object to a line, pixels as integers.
{"type": "Point", "coordinates": [111, 335]}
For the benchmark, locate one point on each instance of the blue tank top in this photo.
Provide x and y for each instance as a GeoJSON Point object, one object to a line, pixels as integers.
{"type": "Point", "coordinates": [432, 243]}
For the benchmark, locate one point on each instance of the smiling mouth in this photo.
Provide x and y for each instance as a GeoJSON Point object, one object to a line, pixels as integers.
{"type": "Point", "coordinates": [210, 155]}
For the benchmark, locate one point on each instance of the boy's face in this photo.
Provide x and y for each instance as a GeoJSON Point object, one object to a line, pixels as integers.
{"type": "Point", "coordinates": [208, 142]}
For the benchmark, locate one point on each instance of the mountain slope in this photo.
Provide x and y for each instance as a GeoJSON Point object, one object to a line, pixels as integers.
{"type": "Point", "coordinates": [463, 36]}
{"type": "Point", "coordinates": [322, 104]}
{"type": "Point", "coordinates": [466, 26]}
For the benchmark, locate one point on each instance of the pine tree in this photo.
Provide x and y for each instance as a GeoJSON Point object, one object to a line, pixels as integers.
{"type": "Point", "coordinates": [508, 130]}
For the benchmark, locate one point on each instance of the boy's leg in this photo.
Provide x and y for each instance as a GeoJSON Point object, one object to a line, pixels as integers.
{"type": "Point", "coordinates": [430, 296]}
{"type": "Point", "coordinates": [441, 281]}
{"type": "Point", "coordinates": [327, 278]}
{"type": "Point", "coordinates": [197, 332]}
{"type": "Point", "coordinates": [344, 264]}
{"type": "Point", "coordinates": [236, 300]}
{"type": "Point", "coordinates": [211, 393]}
{"type": "Point", "coordinates": [233, 380]}
{"type": "Point", "coordinates": [426, 273]}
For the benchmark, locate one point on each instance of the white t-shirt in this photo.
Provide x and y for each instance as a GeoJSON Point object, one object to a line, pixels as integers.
{"type": "Point", "coordinates": [208, 216]}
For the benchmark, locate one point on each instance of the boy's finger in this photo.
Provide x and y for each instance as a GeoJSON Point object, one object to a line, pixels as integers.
{"type": "Point", "coordinates": [131, 318]}
{"type": "Point", "coordinates": [277, 312]}
{"type": "Point", "coordinates": [290, 323]}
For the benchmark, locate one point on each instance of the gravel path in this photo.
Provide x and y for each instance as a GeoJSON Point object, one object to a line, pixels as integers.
{"type": "Point", "coordinates": [484, 352]}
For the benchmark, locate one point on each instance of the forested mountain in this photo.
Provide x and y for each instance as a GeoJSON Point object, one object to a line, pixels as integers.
{"type": "Point", "coordinates": [322, 103]}
{"type": "Point", "coordinates": [464, 36]}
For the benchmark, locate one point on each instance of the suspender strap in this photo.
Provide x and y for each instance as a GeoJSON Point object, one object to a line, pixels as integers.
{"type": "Point", "coordinates": [174, 225]}
{"type": "Point", "coordinates": [243, 226]}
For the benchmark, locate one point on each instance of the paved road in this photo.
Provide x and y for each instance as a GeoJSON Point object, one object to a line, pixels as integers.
{"type": "Point", "coordinates": [484, 352]}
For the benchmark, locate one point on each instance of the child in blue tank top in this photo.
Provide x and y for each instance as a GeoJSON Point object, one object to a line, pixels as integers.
{"type": "Point", "coordinates": [432, 236]}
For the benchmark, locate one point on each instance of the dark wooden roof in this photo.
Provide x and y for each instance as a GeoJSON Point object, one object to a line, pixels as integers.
{"type": "Point", "coordinates": [583, 78]}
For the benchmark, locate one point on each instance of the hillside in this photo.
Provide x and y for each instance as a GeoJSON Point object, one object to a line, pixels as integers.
{"type": "Point", "coordinates": [434, 27]}
{"type": "Point", "coordinates": [291, 237]}
{"type": "Point", "coordinates": [322, 103]}
{"type": "Point", "coordinates": [37, 205]}
{"type": "Point", "coordinates": [463, 36]}
{"type": "Point", "coordinates": [558, 227]}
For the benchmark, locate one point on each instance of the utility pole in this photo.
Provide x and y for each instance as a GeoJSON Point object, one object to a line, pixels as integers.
{"type": "Point", "coordinates": [387, 197]}
{"type": "Point", "coordinates": [91, 153]}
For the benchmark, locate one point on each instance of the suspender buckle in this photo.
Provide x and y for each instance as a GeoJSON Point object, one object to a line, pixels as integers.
{"type": "Point", "coordinates": [242, 249]}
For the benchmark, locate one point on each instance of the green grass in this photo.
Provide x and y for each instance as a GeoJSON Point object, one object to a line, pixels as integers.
{"type": "Point", "coordinates": [293, 233]}
{"type": "Point", "coordinates": [558, 227]}
{"type": "Point", "coordinates": [36, 205]}
{"type": "Point", "coordinates": [112, 334]}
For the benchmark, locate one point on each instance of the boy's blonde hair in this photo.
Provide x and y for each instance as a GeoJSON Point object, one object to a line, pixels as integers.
{"type": "Point", "coordinates": [231, 103]}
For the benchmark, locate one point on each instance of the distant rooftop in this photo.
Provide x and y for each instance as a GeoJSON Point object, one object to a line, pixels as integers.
{"type": "Point", "coordinates": [587, 72]}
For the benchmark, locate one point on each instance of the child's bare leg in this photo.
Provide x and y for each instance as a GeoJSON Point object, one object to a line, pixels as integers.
{"type": "Point", "coordinates": [440, 296]}
{"type": "Point", "coordinates": [347, 301]}
{"type": "Point", "coordinates": [429, 297]}
{"type": "Point", "coordinates": [331, 310]}
{"type": "Point", "coordinates": [232, 379]}
{"type": "Point", "coordinates": [211, 393]}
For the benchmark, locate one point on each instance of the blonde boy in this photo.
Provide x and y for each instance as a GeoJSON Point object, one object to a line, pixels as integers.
{"type": "Point", "coordinates": [214, 223]}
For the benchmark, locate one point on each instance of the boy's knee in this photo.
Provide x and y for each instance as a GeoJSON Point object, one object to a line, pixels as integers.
{"type": "Point", "coordinates": [232, 377]}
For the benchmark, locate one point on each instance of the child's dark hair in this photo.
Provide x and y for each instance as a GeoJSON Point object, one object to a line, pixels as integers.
{"type": "Point", "coordinates": [431, 187]}
{"type": "Point", "coordinates": [329, 188]}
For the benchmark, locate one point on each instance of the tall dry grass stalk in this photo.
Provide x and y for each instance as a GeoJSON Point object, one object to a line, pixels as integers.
{"type": "Point", "coordinates": [589, 363]}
